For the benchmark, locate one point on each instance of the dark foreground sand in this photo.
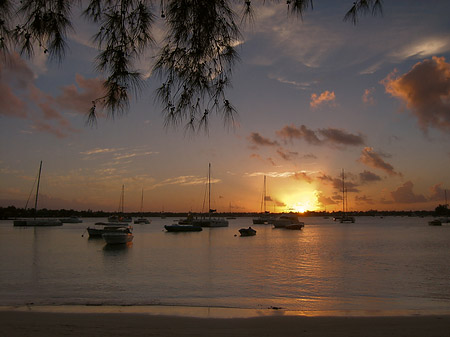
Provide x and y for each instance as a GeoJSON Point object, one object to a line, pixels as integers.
{"type": "Point", "coordinates": [44, 324]}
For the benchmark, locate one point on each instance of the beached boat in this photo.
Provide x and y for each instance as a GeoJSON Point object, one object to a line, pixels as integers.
{"type": "Point", "coordinates": [182, 228]}
{"type": "Point", "coordinates": [287, 219]}
{"type": "Point", "coordinates": [247, 231]}
{"type": "Point", "coordinates": [118, 235]}
{"type": "Point", "coordinates": [37, 222]}
{"type": "Point", "coordinates": [209, 220]}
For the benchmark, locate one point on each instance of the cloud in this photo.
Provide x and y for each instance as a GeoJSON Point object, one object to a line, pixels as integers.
{"type": "Point", "coordinates": [286, 155]}
{"type": "Point", "coordinates": [184, 181]}
{"type": "Point", "coordinates": [325, 97]}
{"type": "Point", "coordinates": [405, 195]}
{"type": "Point", "coordinates": [425, 90]}
{"type": "Point", "coordinates": [373, 159]}
{"type": "Point", "coordinates": [368, 177]}
{"type": "Point", "coordinates": [367, 97]}
{"type": "Point", "coordinates": [21, 98]}
{"type": "Point", "coordinates": [437, 193]}
{"type": "Point", "coordinates": [330, 136]}
{"type": "Point", "coordinates": [259, 140]}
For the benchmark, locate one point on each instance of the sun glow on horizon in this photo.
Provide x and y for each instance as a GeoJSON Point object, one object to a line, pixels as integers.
{"type": "Point", "coordinates": [301, 202]}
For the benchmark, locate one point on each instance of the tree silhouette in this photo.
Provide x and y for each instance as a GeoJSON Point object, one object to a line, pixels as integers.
{"type": "Point", "coordinates": [195, 63]}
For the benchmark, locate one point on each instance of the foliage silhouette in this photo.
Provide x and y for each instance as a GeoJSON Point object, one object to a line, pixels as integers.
{"type": "Point", "coordinates": [195, 63]}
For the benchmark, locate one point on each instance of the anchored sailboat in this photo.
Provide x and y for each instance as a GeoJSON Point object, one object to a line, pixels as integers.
{"type": "Point", "coordinates": [37, 222]}
{"type": "Point", "coordinates": [210, 221]}
{"type": "Point", "coordinates": [345, 217]}
{"type": "Point", "coordinates": [141, 220]}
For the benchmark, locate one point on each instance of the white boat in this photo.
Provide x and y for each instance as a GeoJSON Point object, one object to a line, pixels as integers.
{"type": "Point", "coordinates": [102, 227]}
{"type": "Point", "coordinates": [287, 219]}
{"type": "Point", "coordinates": [209, 220]}
{"type": "Point", "coordinates": [118, 235]}
{"type": "Point", "coordinates": [37, 222]}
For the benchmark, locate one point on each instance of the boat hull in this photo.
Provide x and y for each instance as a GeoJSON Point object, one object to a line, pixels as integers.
{"type": "Point", "coordinates": [247, 232]}
{"type": "Point", "coordinates": [37, 223]}
{"type": "Point", "coordinates": [183, 228]}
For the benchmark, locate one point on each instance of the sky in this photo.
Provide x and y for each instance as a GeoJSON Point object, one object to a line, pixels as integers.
{"type": "Point", "coordinates": [315, 97]}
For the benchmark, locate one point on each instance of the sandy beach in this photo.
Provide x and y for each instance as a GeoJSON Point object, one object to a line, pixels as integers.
{"type": "Point", "coordinates": [44, 324]}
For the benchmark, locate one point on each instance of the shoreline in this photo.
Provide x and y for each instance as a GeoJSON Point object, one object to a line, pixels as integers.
{"type": "Point", "coordinates": [42, 324]}
{"type": "Point", "coordinates": [211, 312]}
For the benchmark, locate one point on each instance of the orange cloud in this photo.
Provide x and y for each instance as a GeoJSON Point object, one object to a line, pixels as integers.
{"type": "Point", "coordinates": [425, 90]}
{"type": "Point", "coordinates": [367, 97]}
{"type": "Point", "coordinates": [324, 97]}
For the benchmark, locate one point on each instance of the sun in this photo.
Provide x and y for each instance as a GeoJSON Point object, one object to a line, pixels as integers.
{"type": "Point", "coordinates": [299, 208]}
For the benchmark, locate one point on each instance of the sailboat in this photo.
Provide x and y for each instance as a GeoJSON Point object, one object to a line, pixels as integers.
{"type": "Point", "coordinates": [120, 217]}
{"type": "Point", "coordinates": [37, 222]}
{"type": "Point", "coordinates": [265, 218]}
{"type": "Point", "coordinates": [210, 221]}
{"type": "Point", "coordinates": [141, 220]}
{"type": "Point", "coordinates": [345, 217]}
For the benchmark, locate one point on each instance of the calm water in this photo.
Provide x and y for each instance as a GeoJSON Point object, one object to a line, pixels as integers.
{"type": "Point", "coordinates": [391, 263]}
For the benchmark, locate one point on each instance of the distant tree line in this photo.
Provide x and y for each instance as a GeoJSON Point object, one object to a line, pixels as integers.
{"type": "Point", "coordinates": [12, 212]}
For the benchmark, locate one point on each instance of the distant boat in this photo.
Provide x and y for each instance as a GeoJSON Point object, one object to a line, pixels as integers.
{"type": "Point", "coordinates": [265, 217]}
{"type": "Point", "coordinates": [37, 222]}
{"type": "Point", "coordinates": [141, 220]}
{"type": "Point", "coordinates": [183, 228]}
{"type": "Point", "coordinates": [118, 235]}
{"type": "Point", "coordinates": [120, 217]}
{"type": "Point", "coordinates": [345, 217]}
{"type": "Point", "coordinates": [435, 222]}
{"type": "Point", "coordinates": [210, 221]}
{"type": "Point", "coordinates": [72, 219]}
{"type": "Point", "coordinates": [286, 220]}
{"type": "Point", "coordinates": [247, 231]}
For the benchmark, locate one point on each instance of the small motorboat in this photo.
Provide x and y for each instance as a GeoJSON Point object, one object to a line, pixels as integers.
{"type": "Point", "coordinates": [247, 231]}
{"type": "Point", "coordinates": [103, 227]}
{"type": "Point", "coordinates": [435, 222]}
{"type": "Point", "coordinates": [297, 226]}
{"type": "Point", "coordinates": [142, 221]}
{"type": "Point", "coordinates": [287, 219]}
{"type": "Point", "coordinates": [118, 235]}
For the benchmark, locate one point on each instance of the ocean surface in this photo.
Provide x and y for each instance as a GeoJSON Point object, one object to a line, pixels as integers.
{"type": "Point", "coordinates": [378, 264]}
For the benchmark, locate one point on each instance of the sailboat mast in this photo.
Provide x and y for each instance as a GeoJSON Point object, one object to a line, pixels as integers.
{"type": "Point", "coordinates": [264, 194]}
{"type": "Point", "coordinates": [343, 192]}
{"type": "Point", "coordinates": [209, 189]}
{"type": "Point", "coordinates": [122, 198]}
{"type": "Point", "coordinates": [37, 190]}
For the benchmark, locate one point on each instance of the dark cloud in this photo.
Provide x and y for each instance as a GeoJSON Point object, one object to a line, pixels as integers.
{"type": "Point", "coordinates": [258, 140]}
{"type": "Point", "coordinates": [425, 90]}
{"type": "Point", "coordinates": [373, 159]}
{"type": "Point", "coordinates": [437, 193]}
{"type": "Point", "coordinates": [363, 199]}
{"type": "Point", "coordinates": [286, 155]}
{"type": "Point", "coordinates": [329, 136]}
{"type": "Point", "coordinates": [405, 195]}
{"type": "Point", "coordinates": [368, 177]}
{"type": "Point", "coordinates": [303, 176]}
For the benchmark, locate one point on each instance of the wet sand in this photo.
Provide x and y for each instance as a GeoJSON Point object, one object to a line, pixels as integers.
{"type": "Point", "coordinates": [55, 324]}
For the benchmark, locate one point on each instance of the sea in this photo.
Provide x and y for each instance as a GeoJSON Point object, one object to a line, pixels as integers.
{"type": "Point", "coordinates": [375, 265]}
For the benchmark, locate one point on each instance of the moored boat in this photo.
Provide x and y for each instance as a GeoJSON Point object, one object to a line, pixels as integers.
{"type": "Point", "coordinates": [247, 231]}
{"type": "Point", "coordinates": [287, 219]}
{"type": "Point", "coordinates": [72, 219]}
{"type": "Point", "coordinates": [142, 221]}
{"type": "Point", "coordinates": [295, 226]}
{"type": "Point", "coordinates": [118, 235]}
{"type": "Point", "coordinates": [435, 222]}
{"type": "Point", "coordinates": [183, 228]}
{"type": "Point", "coordinates": [103, 227]}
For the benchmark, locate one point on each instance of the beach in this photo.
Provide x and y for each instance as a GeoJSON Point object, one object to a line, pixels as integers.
{"type": "Point", "coordinates": [44, 324]}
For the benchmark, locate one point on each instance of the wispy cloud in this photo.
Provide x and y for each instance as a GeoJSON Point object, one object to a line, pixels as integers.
{"type": "Point", "coordinates": [374, 159]}
{"type": "Point", "coordinates": [367, 97]}
{"type": "Point", "coordinates": [184, 181]}
{"type": "Point", "coordinates": [425, 90]}
{"type": "Point", "coordinates": [256, 139]}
